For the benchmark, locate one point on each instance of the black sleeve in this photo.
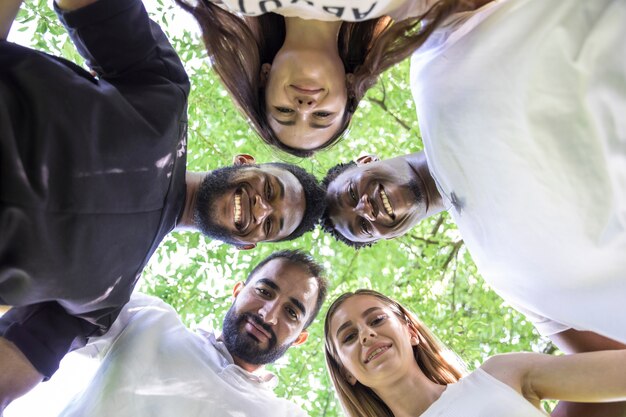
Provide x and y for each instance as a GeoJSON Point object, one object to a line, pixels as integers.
{"type": "Point", "coordinates": [45, 333]}
{"type": "Point", "coordinates": [118, 40]}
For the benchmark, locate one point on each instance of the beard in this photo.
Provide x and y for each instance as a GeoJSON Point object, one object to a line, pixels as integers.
{"type": "Point", "coordinates": [216, 183]}
{"type": "Point", "coordinates": [244, 346]}
{"type": "Point", "coordinates": [414, 186]}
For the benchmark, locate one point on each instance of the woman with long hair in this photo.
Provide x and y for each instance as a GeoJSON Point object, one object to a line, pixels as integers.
{"type": "Point", "coordinates": [299, 72]}
{"type": "Point", "coordinates": [384, 362]}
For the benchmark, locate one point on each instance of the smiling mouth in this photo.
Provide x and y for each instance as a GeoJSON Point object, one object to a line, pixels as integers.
{"type": "Point", "coordinates": [237, 209]}
{"type": "Point", "coordinates": [386, 204]}
{"type": "Point", "coordinates": [376, 353]}
{"type": "Point", "coordinates": [258, 331]}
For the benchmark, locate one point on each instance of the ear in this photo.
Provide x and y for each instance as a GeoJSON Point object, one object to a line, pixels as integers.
{"type": "Point", "coordinates": [302, 337]}
{"type": "Point", "coordinates": [349, 377]}
{"type": "Point", "coordinates": [264, 74]}
{"type": "Point", "coordinates": [349, 81]}
{"type": "Point", "coordinates": [237, 288]}
{"type": "Point", "coordinates": [415, 339]}
{"type": "Point", "coordinates": [366, 159]}
{"type": "Point", "coordinates": [243, 159]}
{"type": "Point", "coordinates": [247, 246]}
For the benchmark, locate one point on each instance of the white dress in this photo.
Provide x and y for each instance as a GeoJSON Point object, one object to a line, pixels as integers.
{"type": "Point", "coordinates": [152, 365]}
{"type": "Point", "coordinates": [522, 109]}
{"type": "Point", "coordinates": [329, 10]}
{"type": "Point", "coordinates": [481, 395]}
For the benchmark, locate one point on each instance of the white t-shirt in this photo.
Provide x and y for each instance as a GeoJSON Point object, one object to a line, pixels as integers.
{"type": "Point", "coordinates": [152, 365]}
{"type": "Point", "coordinates": [481, 395]}
{"type": "Point", "coordinates": [522, 109]}
{"type": "Point", "coordinates": [329, 10]}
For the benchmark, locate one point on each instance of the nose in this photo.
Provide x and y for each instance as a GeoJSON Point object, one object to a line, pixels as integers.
{"type": "Point", "coordinates": [365, 209]}
{"type": "Point", "coordinates": [303, 102]}
{"type": "Point", "coordinates": [366, 335]}
{"type": "Point", "coordinates": [261, 209]}
{"type": "Point", "coordinates": [269, 313]}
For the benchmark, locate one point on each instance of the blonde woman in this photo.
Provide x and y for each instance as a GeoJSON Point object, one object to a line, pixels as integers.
{"type": "Point", "coordinates": [384, 362]}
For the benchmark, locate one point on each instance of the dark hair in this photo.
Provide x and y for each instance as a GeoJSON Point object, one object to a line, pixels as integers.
{"type": "Point", "coordinates": [304, 260]}
{"type": "Point", "coordinates": [314, 197]}
{"type": "Point", "coordinates": [327, 224]}
{"type": "Point", "coordinates": [239, 45]}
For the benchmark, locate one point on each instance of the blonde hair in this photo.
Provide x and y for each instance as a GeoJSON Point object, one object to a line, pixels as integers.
{"type": "Point", "coordinates": [431, 355]}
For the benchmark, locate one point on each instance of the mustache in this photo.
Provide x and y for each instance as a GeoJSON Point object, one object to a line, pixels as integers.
{"type": "Point", "coordinates": [259, 321]}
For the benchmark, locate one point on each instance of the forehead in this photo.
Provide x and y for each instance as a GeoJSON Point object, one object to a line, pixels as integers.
{"type": "Point", "coordinates": [293, 280]}
{"type": "Point", "coordinates": [353, 308]}
{"type": "Point", "coordinates": [294, 201]}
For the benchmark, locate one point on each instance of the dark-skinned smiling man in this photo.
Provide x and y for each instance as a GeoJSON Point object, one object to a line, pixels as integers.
{"type": "Point", "coordinates": [552, 249]}
{"type": "Point", "coordinates": [93, 177]}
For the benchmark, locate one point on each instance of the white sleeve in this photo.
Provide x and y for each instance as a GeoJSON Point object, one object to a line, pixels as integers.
{"type": "Point", "coordinates": [545, 326]}
{"type": "Point", "coordinates": [98, 346]}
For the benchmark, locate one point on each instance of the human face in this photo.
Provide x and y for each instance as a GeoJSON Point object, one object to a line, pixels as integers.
{"type": "Point", "coordinates": [372, 343]}
{"type": "Point", "coordinates": [251, 204]}
{"type": "Point", "coordinates": [305, 97]}
{"type": "Point", "coordinates": [376, 200]}
{"type": "Point", "coordinates": [270, 312]}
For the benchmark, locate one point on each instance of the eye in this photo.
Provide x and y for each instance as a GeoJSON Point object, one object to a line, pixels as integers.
{"type": "Point", "coordinates": [268, 190]}
{"type": "Point", "coordinates": [364, 225]}
{"type": "Point", "coordinates": [267, 227]}
{"type": "Point", "coordinates": [263, 292]}
{"type": "Point", "coordinates": [348, 337]}
{"type": "Point", "coordinates": [352, 192]}
{"type": "Point", "coordinates": [378, 320]}
{"type": "Point", "coordinates": [292, 313]}
{"type": "Point", "coordinates": [284, 110]}
{"type": "Point", "coordinates": [322, 114]}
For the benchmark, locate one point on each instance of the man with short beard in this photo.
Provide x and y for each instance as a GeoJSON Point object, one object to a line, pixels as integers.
{"type": "Point", "coordinates": [151, 364]}
{"type": "Point", "coordinates": [93, 177]}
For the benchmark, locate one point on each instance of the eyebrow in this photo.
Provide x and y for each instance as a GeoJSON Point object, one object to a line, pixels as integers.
{"type": "Point", "coordinates": [299, 305]}
{"type": "Point", "coordinates": [349, 323]}
{"type": "Point", "coordinates": [318, 126]}
{"type": "Point", "coordinates": [284, 122]}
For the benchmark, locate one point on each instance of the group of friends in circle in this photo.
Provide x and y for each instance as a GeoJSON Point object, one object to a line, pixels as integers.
{"type": "Point", "coordinates": [521, 108]}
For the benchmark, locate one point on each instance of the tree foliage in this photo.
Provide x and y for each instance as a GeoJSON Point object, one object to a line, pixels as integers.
{"type": "Point", "coordinates": [429, 270]}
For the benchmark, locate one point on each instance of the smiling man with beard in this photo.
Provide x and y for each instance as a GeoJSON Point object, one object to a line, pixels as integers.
{"type": "Point", "coordinates": [93, 177]}
{"type": "Point", "coordinates": [151, 364]}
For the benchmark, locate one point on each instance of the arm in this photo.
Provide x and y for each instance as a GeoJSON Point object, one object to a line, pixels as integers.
{"type": "Point", "coordinates": [8, 11]}
{"type": "Point", "coordinates": [34, 340]}
{"type": "Point", "coordinates": [573, 341]}
{"type": "Point", "coordinates": [587, 377]}
{"type": "Point", "coordinates": [17, 374]}
{"type": "Point", "coordinates": [73, 4]}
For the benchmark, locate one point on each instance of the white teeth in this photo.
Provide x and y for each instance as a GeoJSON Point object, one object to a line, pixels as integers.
{"type": "Point", "coordinates": [237, 210]}
{"type": "Point", "coordinates": [386, 203]}
{"type": "Point", "coordinates": [376, 352]}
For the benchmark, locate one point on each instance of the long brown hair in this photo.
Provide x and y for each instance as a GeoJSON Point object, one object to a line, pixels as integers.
{"type": "Point", "coordinates": [239, 45]}
{"type": "Point", "coordinates": [361, 401]}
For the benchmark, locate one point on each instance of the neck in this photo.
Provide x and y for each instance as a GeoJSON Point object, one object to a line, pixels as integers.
{"type": "Point", "coordinates": [410, 394]}
{"type": "Point", "coordinates": [311, 34]}
{"type": "Point", "coordinates": [245, 365]}
{"type": "Point", "coordinates": [419, 165]}
{"type": "Point", "coordinates": [193, 181]}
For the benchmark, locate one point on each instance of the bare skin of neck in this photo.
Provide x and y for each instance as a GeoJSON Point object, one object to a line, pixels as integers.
{"type": "Point", "coordinates": [434, 202]}
{"type": "Point", "coordinates": [193, 181]}
{"type": "Point", "coordinates": [311, 34]}
{"type": "Point", "coordinates": [409, 394]}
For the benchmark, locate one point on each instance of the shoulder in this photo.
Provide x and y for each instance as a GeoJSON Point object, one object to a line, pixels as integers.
{"type": "Point", "coordinates": [510, 368]}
